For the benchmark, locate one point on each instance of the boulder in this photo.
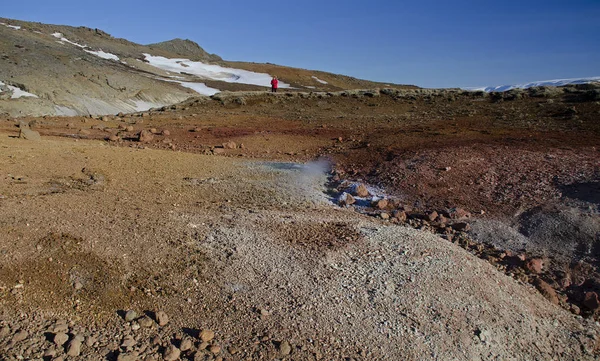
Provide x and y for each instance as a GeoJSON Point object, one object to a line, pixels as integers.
{"type": "Point", "coordinates": [145, 136]}
{"type": "Point", "coordinates": [28, 134]}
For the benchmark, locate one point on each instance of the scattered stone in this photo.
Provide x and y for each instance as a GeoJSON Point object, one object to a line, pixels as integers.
{"type": "Point", "coordinates": [114, 138]}
{"type": "Point", "coordinates": [28, 134]}
{"type": "Point", "coordinates": [84, 132]}
{"type": "Point", "coordinates": [161, 318]}
{"type": "Point", "coordinates": [186, 344]}
{"type": "Point", "coordinates": [129, 128]}
{"type": "Point", "coordinates": [380, 204]}
{"type": "Point", "coordinates": [128, 341]}
{"type": "Point", "coordinates": [230, 145]}
{"type": "Point", "coordinates": [400, 215]}
{"type": "Point", "coordinates": [432, 216]}
{"type": "Point", "coordinates": [134, 356]}
{"type": "Point", "coordinates": [346, 200]}
{"type": "Point", "coordinates": [207, 335]}
{"type": "Point", "coordinates": [4, 331]}
{"type": "Point", "coordinates": [166, 133]}
{"type": "Point", "coordinates": [51, 352]}
{"type": "Point", "coordinates": [171, 353]}
{"type": "Point", "coordinates": [546, 290]}
{"type": "Point", "coordinates": [285, 348]}
{"type": "Point", "coordinates": [384, 216]}
{"type": "Point", "coordinates": [19, 336]}
{"type": "Point", "coordinates": [215, 349]}
{"type": "Point", "coordinates": [74, 347]}
{"type": "Point", "coordinates": [145, 136]}
{"type": "Point", "coordinates": [590, 300]}
{"type": "Point", "coordinates": [60, 339]}
{"type": "Point", "coordinates": [154, 131]}
{"type": "Point", "coordinates": [130, 315]}
{"type": "Point", "coordinates": [146, 322]}
{"type": "Point", "coordinates": [361, 191]}
{"type": "Point", "coordinates": [534, 265]}
{"type": "Point", "coordinates": [218, 151]}
{"type": "Point", "coordinates": [461, 226]}
{"type": "Point", "coordinates": [78, 285]}
{"type": "Point", "coordinates": [458, 213]}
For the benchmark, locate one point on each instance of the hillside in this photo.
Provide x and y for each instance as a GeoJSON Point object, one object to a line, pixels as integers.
{"type": "Point", "coordinates": [78, 70]}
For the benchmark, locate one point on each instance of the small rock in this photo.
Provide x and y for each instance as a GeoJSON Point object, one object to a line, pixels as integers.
{"type": "Point", "coordinates": [534, 265]}
{"type": "Point", "coordinates": [380, 204]}
{"type": "Point", "coordinates": [60, 338]}
{"type": "Point", "coordinates": [4, 331]}
{"type": "Point", "coordinates": [215, 349]}
{"type": "Point", "coordinates": [51, 352]}
{"type": "Point", "coordinates": [384, 216]}
{"type": "Point", "coordinates": [203, 345]}
{"type": "Point", "coordinates": [461, 226]}
{"type": "Point", "coordinates": [130, 315]}
{"type": "Point", "coordinates": [230, 145]}
{"type": "Point", "coordinates": [207, 335]}
{"type": "Point", "coordinates": [432, 216]}
{"type": "Point", "coordinates": [590, 300]}
{"type": "Point", "coordinates": [346, 200]}
{"type": "Point", "coordinates": [171, 353]}
{"type": "Point", "coordinates": [114, 138]}
{"type": "Point", "coordinates": [400, 215]}
{"type": "Point", "coordinates": [166, 133]}
{"type": "Point", "coordinates": [146, 322]}
{"type": "Point", "coordinates": [218, 151]}
{"type": "Point", "coordinates": [19, 336]}
{"type": "Point", "coordinates": [28, 134]}
{"type": "Point", "coordinates": [74, 347]}
{"type": "Point", "coordinates": [128, 341]}
{"type": "Point", "coordinates": [285, 348]}
{"type": "Point", "coordinates": [153, 131]}
{"type": "Point", "coordinates": [145, 136]}
{"type": "Point", "coordinates": [78, 285]}
{"type": "Point", "coordinates": [361, 191]}
{"type": "Point", "coordinates": [161, 318]}
{"type": "Point", "coordinates": [129, 128]}
{"type": "Point", "coordinates": [546, 290]}
{"type": "Point", "coordinates": [458, 213]}
{"type": "Point", "coordinates": [186, 344]}
{"type": "Point", "coordinates": [134, 356]}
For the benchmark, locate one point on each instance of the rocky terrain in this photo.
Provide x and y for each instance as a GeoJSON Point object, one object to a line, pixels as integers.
{"type": "Point", "coordinates": [379, 224]}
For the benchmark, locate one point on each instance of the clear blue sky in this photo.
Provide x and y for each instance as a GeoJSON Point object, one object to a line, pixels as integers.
{"type": "Point", "coordinates": [443, 43]}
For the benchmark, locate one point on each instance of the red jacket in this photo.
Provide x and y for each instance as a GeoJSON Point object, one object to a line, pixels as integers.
{"type": "Point", "coordinates": [274, 83]}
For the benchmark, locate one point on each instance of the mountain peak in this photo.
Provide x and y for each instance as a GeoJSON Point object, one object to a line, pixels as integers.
{"type": "Point", "coordinates": [186, 48]}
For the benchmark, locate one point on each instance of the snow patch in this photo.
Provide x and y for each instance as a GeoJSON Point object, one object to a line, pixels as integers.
{"type": "Point", "coordinates": [11, 26]}
{"type": "Point", "coordinates": [99, 53]}
{"type": "Point", "coordinates": [103, 54]}
{"type": "Point", "coordinates": [555, 82]}
{"type": "Point", "coordinates": [212, 72]}
{"type": "Point", "coordinates": [319, 80]}
{"type": "Point", "coordinates": [199, 88]}
{"type": "Point", "coordinates": [16, 92]}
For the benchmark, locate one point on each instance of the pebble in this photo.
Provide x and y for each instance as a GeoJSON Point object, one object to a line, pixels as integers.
{"type": "Point", "coordinates": [128, 341]}
{"type": "Point", "coordinates": [207, 335]}
{"type": "Point", "coordinates": [60, 338]}
{"type": "Point", "coordinates": [161, 318]}
{"type": "Point", "coordinates": [285, 348]}
{"type": "Point", "coordinates": [19, 336]}
{"type": "Point", "coordinates": [215, 349]}
{"type": "Point", "coordinates": [186, 344]}
{"type": "Point", "coordinates": [130, 315]}
{"type": "Point", "coordinates": [146, 322]}
{"type": "Point", "coordinates": [171, 353]}
{"type": "Point", "coordinates": [4, 331]}
{"type": "Point", "coordinates": [74, 347]}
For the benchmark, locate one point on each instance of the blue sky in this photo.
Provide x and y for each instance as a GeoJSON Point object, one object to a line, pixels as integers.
{"type": "Point", "coordinates": [426, 43]}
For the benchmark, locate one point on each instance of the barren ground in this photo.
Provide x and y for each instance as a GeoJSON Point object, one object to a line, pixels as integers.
{"type": "Point", "coordinates": [252, 245]}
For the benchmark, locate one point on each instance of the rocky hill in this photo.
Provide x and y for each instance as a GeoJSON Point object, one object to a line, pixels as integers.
{"type": "Point", "coordinates": [64, 70]}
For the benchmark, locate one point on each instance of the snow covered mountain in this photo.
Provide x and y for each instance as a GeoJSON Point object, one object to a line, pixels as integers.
{"type": "Point", "coordinates": [556, 82]}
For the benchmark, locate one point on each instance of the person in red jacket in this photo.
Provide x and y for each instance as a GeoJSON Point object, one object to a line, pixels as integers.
{"type": "Point", "coordinates": [274, 84]}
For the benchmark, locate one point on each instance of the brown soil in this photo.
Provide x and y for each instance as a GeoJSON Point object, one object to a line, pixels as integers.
{"type": "Point", "coordinates": [243, 244]}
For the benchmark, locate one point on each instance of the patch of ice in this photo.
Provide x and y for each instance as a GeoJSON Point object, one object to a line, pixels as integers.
{"type": "Point", "coordinates": [212, 72]}
{"type": "Point", "coordinates": [16, 92]}
{"type": "Point", "coordinates": [103, 54]}
{"type": "Point", "coordinates": [555, 82]}
{"type": "Point", "coordinates": [319, 80]}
